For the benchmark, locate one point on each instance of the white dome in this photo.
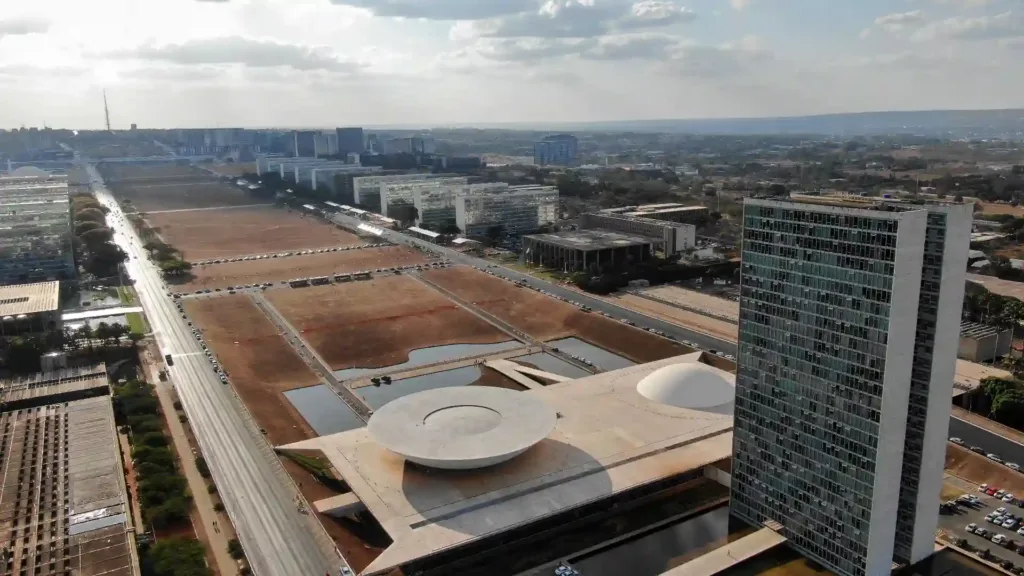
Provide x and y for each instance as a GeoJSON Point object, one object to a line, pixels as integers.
{"type": "Point", "coordinates": [462, 427]}
{"type": "Point", "coordinates": [687, 385]}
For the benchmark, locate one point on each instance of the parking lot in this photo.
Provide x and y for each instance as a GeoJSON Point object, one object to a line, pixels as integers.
{"type": "Point", "coordinates": [955, 525]}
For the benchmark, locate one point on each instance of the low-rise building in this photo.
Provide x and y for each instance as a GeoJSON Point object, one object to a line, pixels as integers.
{"type": "Point", "coordinates": [670, 212]}
{"type": "Point", "coordinates": [983, 343]}
{"type": "Point", "coordinates": [29, 308]}
{"type": "Point", "coordinates": [581, 249]}
{"type": "Point", "coordinates": [64, 508]}
{"type": "Point", "coordinates": [671, 237]}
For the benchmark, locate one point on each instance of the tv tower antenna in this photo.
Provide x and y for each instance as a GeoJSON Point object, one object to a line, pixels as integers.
{"type": "Point", "coordinates": [106, 111]}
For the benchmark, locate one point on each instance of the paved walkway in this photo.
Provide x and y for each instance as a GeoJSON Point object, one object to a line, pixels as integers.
{"type": "Point", "coordinates": [216, 539]}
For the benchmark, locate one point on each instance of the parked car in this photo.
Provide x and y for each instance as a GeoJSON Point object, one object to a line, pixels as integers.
{"type": "Point", "coordinates": [978, 450]}
{"type": "Point", "coordinates": [1013, 466]}
{"type": "Point", "coordinates": [994, 458]}
{"type": "Point", "coordinates": [957, 441]}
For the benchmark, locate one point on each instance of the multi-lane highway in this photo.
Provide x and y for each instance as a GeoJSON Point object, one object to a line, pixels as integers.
{"type": "Point", "coordinates": [703, 340]}
{"type": "Point", "coordinates": [279, 537]}
{"type": "Point", "coordinates": [1008, 450]}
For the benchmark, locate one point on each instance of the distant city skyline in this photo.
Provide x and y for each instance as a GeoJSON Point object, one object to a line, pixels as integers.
{"type": "Point", "coordinates": [311, 63]}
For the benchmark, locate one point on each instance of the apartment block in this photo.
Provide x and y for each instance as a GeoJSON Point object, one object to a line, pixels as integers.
{"type": "Point", "coordinates": [848, 331]}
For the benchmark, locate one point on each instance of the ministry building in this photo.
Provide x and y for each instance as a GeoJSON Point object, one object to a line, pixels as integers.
{"type": "Point", "coordinates": [849, 318]}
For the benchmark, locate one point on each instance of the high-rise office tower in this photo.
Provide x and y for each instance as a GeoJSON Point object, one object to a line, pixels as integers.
{"type": "Point", "coordinates": [350, 140]}
{"type": "Point", "coordinates": [848, 332]}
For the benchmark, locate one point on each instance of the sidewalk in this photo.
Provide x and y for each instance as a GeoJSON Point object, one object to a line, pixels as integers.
{"type": "Point", "coordinates": [216, 540]}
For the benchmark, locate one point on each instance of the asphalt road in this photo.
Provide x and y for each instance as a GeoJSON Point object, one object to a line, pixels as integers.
{"type": "Point", "coordinates": [259, 497]}
{"type": "Point", "coordinates": [704, 341]}
{"type": "Point", "coordinates": [956, 524]}
{"type": "Point", "coordinates": [992, 443]}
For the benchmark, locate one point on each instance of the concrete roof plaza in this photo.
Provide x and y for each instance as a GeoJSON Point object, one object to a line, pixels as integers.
{"type": "Point", "coordinates": [588, 240]}
{"type": "Point", "coordinates": [607, 439]}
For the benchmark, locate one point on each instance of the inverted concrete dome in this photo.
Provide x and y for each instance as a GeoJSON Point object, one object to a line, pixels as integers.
{"type": "Point", "coordinates": [687, 385]}
{"type": "Point", "coordinates": [462, 427]}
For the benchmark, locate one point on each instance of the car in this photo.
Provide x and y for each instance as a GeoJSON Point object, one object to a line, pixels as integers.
{"type": "Point", "coordinates": [957, 441]}
{"type": "Point", "coordinates": [999, 539]}
{"type": "Point", "coordinates": [1010, 524]}
{"type": "Point", "coordinates": [1020, 531]}
{"type": "Point", "coordinates": [1008, 498]}
{"type": "Point", "coordinates": [1013, 466]}
{"type": "Point", "coordinates": [971, 527]}
{"type": "Point", "coordinates": [1001, 511]}
{"type": "Point", "coordinates": [991, 491]}
{"type": "Point", "coordinates": [994, 458]}
{"type": "Point", "coordinates": [978, 450]}
{"type": "Point", "coordinates": [982, 532]}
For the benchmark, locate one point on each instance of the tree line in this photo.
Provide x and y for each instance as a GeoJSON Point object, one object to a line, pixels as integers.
{"type": "Point", "coordinates": [95, 250]}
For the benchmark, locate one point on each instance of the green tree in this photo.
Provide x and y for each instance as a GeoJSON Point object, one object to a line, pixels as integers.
{"type": "Point", "coordinates": [1008, 408]}
{"type": "Point", "coordinates": [176, 557]}
{"type": "Point", "coordinates": [235, 549]}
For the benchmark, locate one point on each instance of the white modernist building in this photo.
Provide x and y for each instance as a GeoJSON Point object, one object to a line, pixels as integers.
{"type": "Point", "coordinates": [440, 192]}
{"type": "Point", "coordinates": [849, 318]}
{"type": "Point", "coordinates": [35, 221]}
{"type": "Point", "coordinates": [514, 210]}
{"type": "Point", "coordinates": [366, 190]}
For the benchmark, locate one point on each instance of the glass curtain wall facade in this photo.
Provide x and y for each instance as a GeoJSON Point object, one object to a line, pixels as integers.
{"type": "Point", "coordinates": [829, 341]}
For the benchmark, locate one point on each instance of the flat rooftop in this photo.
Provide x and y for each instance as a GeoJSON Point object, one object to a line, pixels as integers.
{"type": "Point", "coordinates": [587, 240]}
{"type": "Point", "coordinates": [29, 298]}
{"type": "Point", "coordinates": [607, 439]}
{"type": "Point", "coordinates": [40, 386]}
{"type": "Point", "coordinates": [1002, 287]}
{"type": "Point", "coordinates": [977, 330]}
{"type": "Point", "coordinates": [63, 504]}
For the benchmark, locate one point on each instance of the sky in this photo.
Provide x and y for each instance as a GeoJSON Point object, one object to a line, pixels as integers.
{"type": "Point", "coordinates": [323, 63]}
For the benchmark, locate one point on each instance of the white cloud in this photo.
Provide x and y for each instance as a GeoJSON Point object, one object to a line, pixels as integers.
{"type": "Point", "coordinates": [896, 23]}
{"type": "Point", "coordinates": [997, 27]}
{"type": "Point", "coordinates": [23, 26]}
{"type": "Point", "coordinates": [441, 9]}
{"type": "Point", "coordinates": [577, 19]}
{"type": "Point", "coordinates": [244, 51]}
{"type": "Point", "coordinates": [740, 5]}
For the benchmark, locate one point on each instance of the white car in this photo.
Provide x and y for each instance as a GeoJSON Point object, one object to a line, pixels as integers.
{"type": "Point", "coordinates": [1013, 466]}
{"type": "Point", "coordinates": [994, 458]}
{"type": "Point", "coordinates": [1009, 499]}
{"type": "Point", "coordinates": [1009, 524]}
{"type": "Point", "coordinates": [999, 539]}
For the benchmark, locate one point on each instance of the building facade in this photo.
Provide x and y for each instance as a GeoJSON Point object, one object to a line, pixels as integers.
{"type": "Point", "coordinates": [847, 342]}
{"type": "Point", "coordinates": [366, 190]}
{"type": "Point", "coordinates": [35, 219]}
{"type": "Point", "coordinates": [303, 144]}
{"type": "Point", "coordinates": [512, 211]}
{"type": "Point", "coordinates": [557, 150]}
{"type": "Point", "coordinates": [674, 237]}
{"type": "Point", "coordinates": [350, 140]}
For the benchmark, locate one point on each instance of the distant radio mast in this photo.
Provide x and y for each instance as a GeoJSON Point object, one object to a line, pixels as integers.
{"type": "Point", "coordinates": [106, 111]}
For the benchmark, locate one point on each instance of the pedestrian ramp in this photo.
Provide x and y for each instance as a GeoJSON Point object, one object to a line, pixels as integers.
{"type": "Point", "coordinates": [731, 554]}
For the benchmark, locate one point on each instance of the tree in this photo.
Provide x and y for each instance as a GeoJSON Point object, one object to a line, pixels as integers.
{"type": "Point", "coordinates": [1008, 408]}
{"type": "Point", "coordinates": [176, 556]}
{"type": "Point", "coordinates": [235, 549]}
{"type": "Point", "coordinates": [91, 215]}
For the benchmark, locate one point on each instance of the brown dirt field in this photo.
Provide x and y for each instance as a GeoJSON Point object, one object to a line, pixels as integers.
{"type": "Point", "coordinates": [207, 234]}
{"type": "Point", "coordinates": [549, 319]}
{"type": "Point", "coordinates": [306, 266]}
{"type": "Point", "coordinates": [259, 361]}
{"type": "Point", "coordinates": [117, 171]}
{"type": "Point", "coordinates": [980, 470]}
{"type": "Point", "coordinates": [372, 324]}
{"type": "Point", "coordinates": [183, 194]}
